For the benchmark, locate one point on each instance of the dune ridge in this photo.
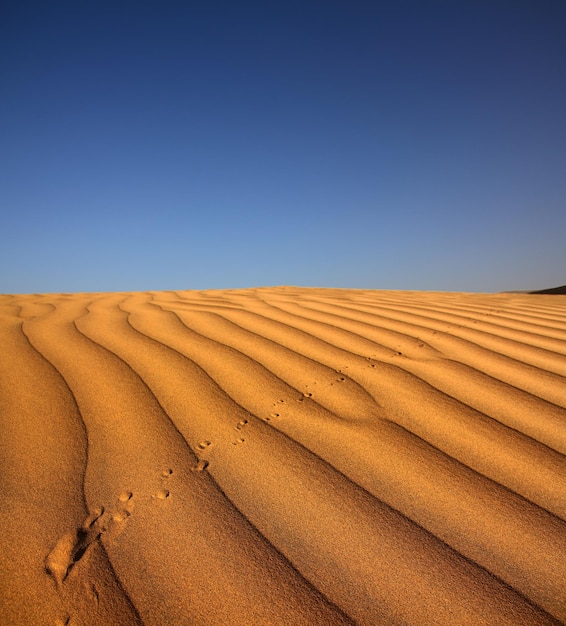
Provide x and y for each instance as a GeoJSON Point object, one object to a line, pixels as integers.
{"type": "Point", "coordinates": [283, 456]}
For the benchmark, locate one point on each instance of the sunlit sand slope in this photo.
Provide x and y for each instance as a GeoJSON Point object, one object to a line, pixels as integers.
{"type": "Point", "coordinates": [283, 456]}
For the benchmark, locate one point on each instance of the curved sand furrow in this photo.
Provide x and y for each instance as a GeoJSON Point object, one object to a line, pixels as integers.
{"type": "Point", "coordinates": [544, 324]}
{"type": "Point", "coordinates": [530, 347]}
{"type": "Point", "coordinates": [404, 318]}
{"type": "Point", "coordinates": [527, 323]}
{"type": "Point", "coordinates": [506, 403]}
{"type": "Point", "coordinates": [267, 456]}
{"type": "Point", "coordinates": [342, 398]}
{"type": "Point", "coordinates": [495, 304]}
{"type": "Point", "coordinates": [143, 474]}
{"type": "Point", "coordinates": [224, 431]}
{"type": "Point", "coordinates": [307, 376]}
{"type": "Point", "coordinates": [468, 348]}
{"type": "Point", "coordinates": [42, 464]}
{"type": "Point", "coordinates": [32, 309]}
{"type": "Point", "coordinates": [465, 319]}
{"type": "Point", "coordinates": [363, 454]}
{"type": "Point", "coordinates": [505, 319]}
{"type": "Point", "coordinates": [395, 337]}
{"type": "Point", "coordinates": [517, 464]}
{"type": "Point", "coordinates": [544, 430]}
{"type": "Point", "coordinates": [277, 585]}
{"type": "Point", "coordinates": [512, 467]}
{"type": "Point", "coordinates": [465, 308]}
{"type": "Point", "coordinates": [511, 406]}
{"type": "Point", "coordinates": [486, 302]}
{"type": "Point", "coordinates": [236, 476]}
{"type": "Point", "coordinates": [547, 359]}
{"type": "Point", "coordinates": [550, 313]}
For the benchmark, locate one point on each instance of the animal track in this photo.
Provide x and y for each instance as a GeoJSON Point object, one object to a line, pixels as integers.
{"type": "Point", "coordinates": [121, 516]}
{"type": "Point", "coordinates": [164, 493]}
{"type": "Point", "coordinates": [125, 506]}
{"type": "Point", "coordinates": [125, 496]}
{"type": "Point", "coordinates": [200, 466]}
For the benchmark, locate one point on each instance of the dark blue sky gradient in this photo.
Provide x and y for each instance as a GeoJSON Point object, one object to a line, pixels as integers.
{"type": "Point", "coordinates": [179, 145]}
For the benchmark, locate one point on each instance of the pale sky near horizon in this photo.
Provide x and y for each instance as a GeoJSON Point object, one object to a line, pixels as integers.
{"type": "Point", "coordinates": [410, 144]}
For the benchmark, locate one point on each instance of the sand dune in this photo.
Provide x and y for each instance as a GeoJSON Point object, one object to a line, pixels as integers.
{"type": "Point", "coordinates": [283, 456]}
{"type": "Point", "coordinates": [554, 290]}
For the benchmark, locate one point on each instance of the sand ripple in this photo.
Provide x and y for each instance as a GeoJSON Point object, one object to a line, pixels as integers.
{"type": "Point", "coordinates": [283, 456]}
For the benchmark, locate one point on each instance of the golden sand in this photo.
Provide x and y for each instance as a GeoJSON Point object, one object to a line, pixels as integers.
{"type": "Point", "coordinates": [283, 456]}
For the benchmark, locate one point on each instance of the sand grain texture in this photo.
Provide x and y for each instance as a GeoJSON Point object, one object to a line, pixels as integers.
{"type": "Point", "coordinates": [283, 456]}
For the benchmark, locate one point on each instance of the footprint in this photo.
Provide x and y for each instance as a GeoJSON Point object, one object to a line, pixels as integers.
{"type": "Point", "coordinates": [121, 516]}
{"type": "Point", "coordinates": [125, 496]}
{"type": "Point", "coordinates": [60, 560]}
{"type": "Point", "coordinates": [162, 494]}
{"type": "Point", "coordinates": [241, 424]}
{"type": "Point", "coordinates": [203, 445]}
{"type": "Point", "coordinates": [122, 512]}
{"type": "Point", "coordinates": [238, 441]}
{"type": "Point", "coordinates": [166, 473]}
{"type": "Point", "coordinates": [200, 466]}
{"type": "Point", "coordinates": [72, 546]}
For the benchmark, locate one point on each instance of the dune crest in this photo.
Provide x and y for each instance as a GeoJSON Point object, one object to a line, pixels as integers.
{"type": "Point", "coordinates": [283, 456]}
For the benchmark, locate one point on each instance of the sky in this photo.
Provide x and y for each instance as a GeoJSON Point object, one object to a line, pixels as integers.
{"type": "Point", "coordinates": [409, 144]}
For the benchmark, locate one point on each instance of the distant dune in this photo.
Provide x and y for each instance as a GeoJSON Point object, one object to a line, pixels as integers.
{"type": "Point", "coordinates": [554, 291]}
{"type": "Point", "coordinates": [283, 456]}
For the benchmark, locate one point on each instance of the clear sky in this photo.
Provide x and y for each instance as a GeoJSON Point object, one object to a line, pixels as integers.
{"type": "Point", "coordinates": [207, 145]}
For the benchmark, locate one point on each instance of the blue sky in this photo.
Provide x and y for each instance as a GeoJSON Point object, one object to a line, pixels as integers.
{"type": "Point", "coordinates": [179, 145]}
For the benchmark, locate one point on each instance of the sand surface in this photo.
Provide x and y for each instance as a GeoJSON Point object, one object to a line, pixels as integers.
{"type": "Point", "coordinates": [283, 456]}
